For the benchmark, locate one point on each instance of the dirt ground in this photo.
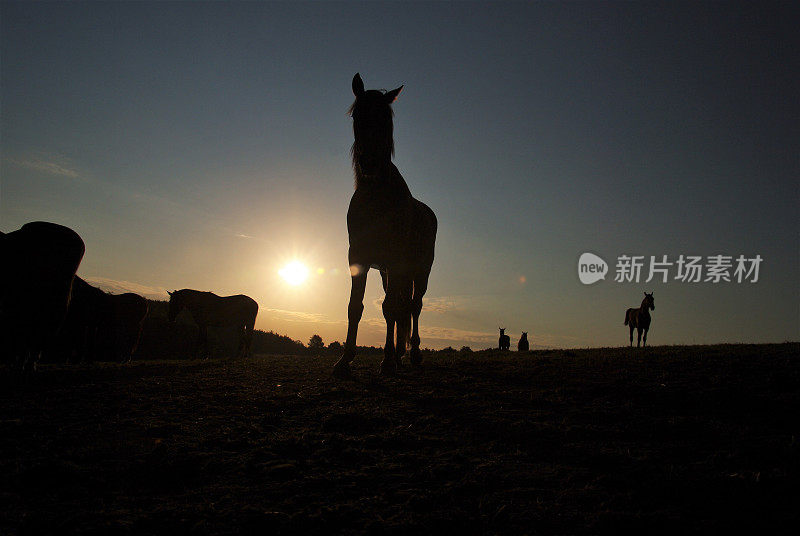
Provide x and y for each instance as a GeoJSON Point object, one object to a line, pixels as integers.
{"type": "Point", "coordinates": [653, 441]}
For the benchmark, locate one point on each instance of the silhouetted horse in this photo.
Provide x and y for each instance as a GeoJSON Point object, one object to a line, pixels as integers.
{"type": "Point", "coordinates": [505, 341]}
{"type": "Point", "coordinates": [37, 266]}
{"type": "Point", "coordinates": [208, 309]}
{"type": "Point", "coordinates": [88, 317]}
{"type": "Point", "coordinates": [523, 345]}
{"type": "Point", "coordinates": [388, 230]}
{"type": "Point", "coordinates": [639, 319]}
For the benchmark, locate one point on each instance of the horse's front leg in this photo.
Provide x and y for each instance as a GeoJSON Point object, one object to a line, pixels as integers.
{"type": "Point", "coordinates": [639, 338]}
{"type": "Point", "coordinates": [644, 339]}
{"type": "Point", "coordinates": [358, 284]}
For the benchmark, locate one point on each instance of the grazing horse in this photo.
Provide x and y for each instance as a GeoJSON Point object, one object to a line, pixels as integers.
{"type": "Point", "coordinates": [522, 345]}
{"type": "Point", "coordinates": [37, 266]}
{"type": "Point", "coordinates": [98, 323]}
{"type": "Point", "coordinates": [128, 311]}
{"type": "Point", "coordinates": [388, 229]}
{"type": "Point", "coordinates": [505, 340]}
{"type": "Point", "coordinates": [208, 309]}
{"type": "Point", "coordinates": [639, 319]}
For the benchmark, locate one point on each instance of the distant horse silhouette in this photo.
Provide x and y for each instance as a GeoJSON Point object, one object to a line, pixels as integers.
{"type": "Point", "coordinates": [522, 345]}
{"type": "Point", "coordinates": [37, 266]}
{"type": "Point", "coordinates": [505, 340]}
{"type": "Point", "coordinates": [639, 319]}
{"type": "Point", "coordinates": [388, 229]}
{"type": "Point", "coordinates": [208, 309]}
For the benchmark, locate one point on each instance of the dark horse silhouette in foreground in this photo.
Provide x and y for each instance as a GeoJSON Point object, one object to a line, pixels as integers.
{"type": "Point", "coordinates": [208, 309]}
{"type": "Point", "coordinates": [37, 266]}
{"type": "Point", "coordinates": [639, 319]}
{"type": "Point", "coordinates": [388, 230]}
{"type": "Point", "coordinates": [504, 342]}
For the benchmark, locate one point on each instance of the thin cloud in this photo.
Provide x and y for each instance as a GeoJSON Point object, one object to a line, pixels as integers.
{"type": "Point", "coordinates": [439, 305]}
{"type": "Point", "coordinates": [300, 316]}
{"type": "Point", "coordinates": [46, 166]}
{"type": "Point", "coordinates": [120, 287]}
{"type": "Point", "coordinates": [455, 334]}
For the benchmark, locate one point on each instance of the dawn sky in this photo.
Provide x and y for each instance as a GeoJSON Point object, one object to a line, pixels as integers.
{"type": "Point", "coordinates": [206, 145]}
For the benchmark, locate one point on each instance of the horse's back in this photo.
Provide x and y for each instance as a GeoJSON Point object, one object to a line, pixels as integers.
{"type": "Point", "coordinates": [129, 308]}
{"type": "Point", "coordinates": [245, 304]}
{"type": "Point", "coordinates": [214, 310]}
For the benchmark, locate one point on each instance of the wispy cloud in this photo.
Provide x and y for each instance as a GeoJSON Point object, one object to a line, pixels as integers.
{"type": "Point", "coordinates": [120, 287]}
{"type": "Point", "coordinates": [300, 316]}
{"type": "Point", "coordinates": [455, 334]}
{"type": "Point", "coordinates": [240, 235]}
{"type": "Point", "coordinates": [439, 305]}
{"type": "Point", "coordinates": [45, 165]}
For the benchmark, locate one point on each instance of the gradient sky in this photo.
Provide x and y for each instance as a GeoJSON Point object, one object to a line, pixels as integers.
{"type": "Point", "coordinates": [204, 145]}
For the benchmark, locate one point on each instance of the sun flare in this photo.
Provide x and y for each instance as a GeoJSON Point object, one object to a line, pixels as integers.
{"type": "Point", "coordinates": [295, 273]}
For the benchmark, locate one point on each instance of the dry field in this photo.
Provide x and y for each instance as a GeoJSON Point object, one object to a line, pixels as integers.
{"type": "Point", "coordinates": [659, 440]}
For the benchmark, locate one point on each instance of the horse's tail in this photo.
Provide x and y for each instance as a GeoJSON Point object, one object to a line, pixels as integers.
{"type": "Point", "coordinates": [626, 317]}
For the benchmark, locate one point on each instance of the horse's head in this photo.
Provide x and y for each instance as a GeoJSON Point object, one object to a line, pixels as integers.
{"type": "Point", "coordinates": [525, 335]}
{"type": "Point", "coordinates": [502, 331]}
{"type": "Point", "coordinates": [372, 126]}
{"type": "Point", "coordinates": [175, 305]}
{"type": "Point", "coordinates": [648, 302]}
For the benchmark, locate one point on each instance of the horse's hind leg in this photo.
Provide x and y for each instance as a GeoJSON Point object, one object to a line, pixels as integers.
{"type": "Point", "coordinates": [420, 287]}
{"type": "Point", "coordinates": [396, 311]}
{"type": "Point", "coordinates": [632, 328]}
{"type": "Point", "coordinates": [240, 351]}
{"type": "Point", "coordinates": [404, 321]}
{"type": "Point", "coordinates": [354, 310]}
{"type": "Point", "coordinates": [248, 337]}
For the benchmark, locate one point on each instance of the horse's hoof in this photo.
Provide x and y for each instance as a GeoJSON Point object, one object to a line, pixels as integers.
{"type": "Point", "coordinates": [342, 371]}
{"type": "Point", "coordinates": [415, 356]}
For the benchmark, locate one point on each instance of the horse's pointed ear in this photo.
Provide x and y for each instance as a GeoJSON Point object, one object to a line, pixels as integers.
{"type": "Point", "coordinates": [170, 293]}
{"type": "Point", "coordinates": [358, 86]}
{"type": "Point", "coordinates": [392, 95]}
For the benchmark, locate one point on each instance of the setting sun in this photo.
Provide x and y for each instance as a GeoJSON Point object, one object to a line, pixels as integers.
{"type": "Point", "coordinates": [294, 273]}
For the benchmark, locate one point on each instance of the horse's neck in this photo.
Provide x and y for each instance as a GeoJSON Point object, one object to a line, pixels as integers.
{"type": "Point", "coordinates": [383, 180]}
{"type": "Point", "coordinates": [644, 308]}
